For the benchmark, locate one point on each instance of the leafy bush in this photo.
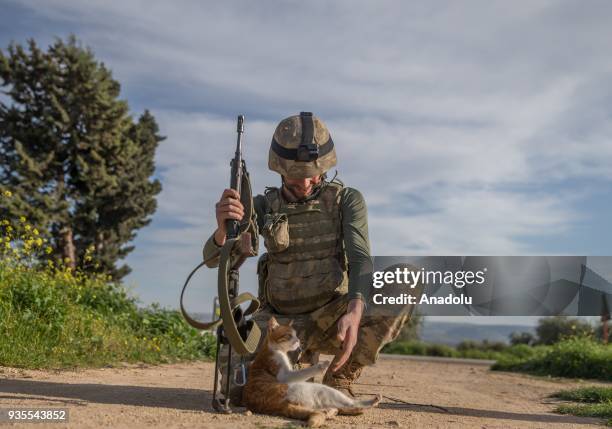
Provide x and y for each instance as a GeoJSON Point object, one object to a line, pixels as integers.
{"type": "Point", "coordinates": [56, 318]}
{"type": "Point", "coordinates": [517, 338]}
{"type": "Point", "coordinates": [574, 357]}
{"type": "Point", "coordinates": [406, 348]}
{"type": "Point", "coordinates": [440, 350]}
{"type": "Point", "coordinates": [551, 330]}
{"type": "Point", "coordinates": [495, 346]}
{"type": "Point", "coordinates": [522, 351]}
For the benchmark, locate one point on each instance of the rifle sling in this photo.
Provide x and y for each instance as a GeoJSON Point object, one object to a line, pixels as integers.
{"type": "Point", "coordinates": [239, 345]}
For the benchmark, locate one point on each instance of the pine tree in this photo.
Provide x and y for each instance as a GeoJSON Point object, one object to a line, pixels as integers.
{"type": "Point", "coordinates": [75, 160]}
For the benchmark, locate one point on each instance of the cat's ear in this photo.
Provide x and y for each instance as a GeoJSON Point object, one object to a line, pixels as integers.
{"type": "Point", "coordinates": [272, 324]}
{"type": "Point", "coordinates": [291, 322]}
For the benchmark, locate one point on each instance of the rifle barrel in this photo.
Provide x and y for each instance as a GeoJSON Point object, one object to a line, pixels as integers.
{"type": "Point", "coordinates": [233, 226]}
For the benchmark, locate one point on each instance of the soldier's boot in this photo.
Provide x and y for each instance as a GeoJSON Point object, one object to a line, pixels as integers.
{"type": "Point", "coordinates": [344, 378]}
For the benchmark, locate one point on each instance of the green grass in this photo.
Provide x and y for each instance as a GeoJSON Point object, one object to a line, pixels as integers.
{"type": "Point", "coordinates": [586, 394]}
{"type": "Point", "coordinates": [593, 402]}
{"type": "Point", "coordinates": [58, 320]}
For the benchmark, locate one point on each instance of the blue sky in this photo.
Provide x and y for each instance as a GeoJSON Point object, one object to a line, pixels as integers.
{"type": "Point", "coordinates": [478, 127]}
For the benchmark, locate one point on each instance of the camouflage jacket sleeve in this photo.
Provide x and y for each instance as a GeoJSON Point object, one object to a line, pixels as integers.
{"type": "Point", "coordinates": [356, 242]}
{"type": "Point", "coordinates": [212, 250]}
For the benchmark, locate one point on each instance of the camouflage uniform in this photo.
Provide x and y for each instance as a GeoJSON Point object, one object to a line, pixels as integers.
{"type": "Point", "coordinates": [305, 275]}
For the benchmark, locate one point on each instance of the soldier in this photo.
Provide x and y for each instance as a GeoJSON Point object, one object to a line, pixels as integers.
{"type": "Point", "coordinates": [317, 269]}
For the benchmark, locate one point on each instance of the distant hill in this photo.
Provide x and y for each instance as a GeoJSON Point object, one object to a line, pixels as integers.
{"type": "Point", "coordinates": [454, 333]}
{"type": "Point", "coordinates": [202, 317]}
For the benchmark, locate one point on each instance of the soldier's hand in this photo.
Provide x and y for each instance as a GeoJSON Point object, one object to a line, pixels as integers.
{"type": "Point", "coordinates": [228, 207]}
{"type": "Point", "coordinates": [348, 328]}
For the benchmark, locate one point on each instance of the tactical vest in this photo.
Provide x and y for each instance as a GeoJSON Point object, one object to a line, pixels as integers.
{"type": "Point", "coordinates": [306, 266]}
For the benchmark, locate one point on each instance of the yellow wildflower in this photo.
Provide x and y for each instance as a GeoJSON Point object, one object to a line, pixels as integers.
{"type": "Point", "coordinates": [22, 219]}
{"type": "Point", "coordinates": [7, 245]}
{"type": "Point", "coordinates": [48, 249]}
{"type": "Point", "coordinates": [39, 242]}
{"type": "Point", "coordinates": [8, 193]}
{"type": "Point", "coordinates": [35, 231]}
{"type": "Point", "coordinates": [28, 227]}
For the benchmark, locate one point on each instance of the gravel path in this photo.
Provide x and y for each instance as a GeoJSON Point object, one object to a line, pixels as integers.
{"type": "Point", "coordinates": [419, 394]}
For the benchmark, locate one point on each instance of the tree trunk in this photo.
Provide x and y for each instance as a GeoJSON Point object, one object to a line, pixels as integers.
{"type": "Point", "coordinates": [68, 249]}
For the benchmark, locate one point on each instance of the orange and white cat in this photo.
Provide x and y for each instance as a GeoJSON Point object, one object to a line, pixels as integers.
{"type": "Point", "coordinates": [274, 387]}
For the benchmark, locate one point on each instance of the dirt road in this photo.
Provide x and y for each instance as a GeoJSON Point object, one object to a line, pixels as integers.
{"type": "Point", "coordinates": [178, 395]}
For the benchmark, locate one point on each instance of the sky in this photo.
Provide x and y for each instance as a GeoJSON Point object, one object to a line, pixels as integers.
{"type": "Point", "coordinates": [471, 128]}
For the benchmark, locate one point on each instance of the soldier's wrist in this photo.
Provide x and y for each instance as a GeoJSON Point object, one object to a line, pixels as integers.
{"type": "Point", "coordinates": [356, 306]}
{"type": "Point", "coordinates": [219, 238]}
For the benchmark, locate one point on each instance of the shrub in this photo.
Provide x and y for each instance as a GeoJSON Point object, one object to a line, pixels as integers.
{"type": "Point", "coordinates": [440, 350]}
{"type": "Point", "coordinates": [406, 348]}
{"type": "Point", "coordinates": [574, 357]}
{"type": "Point", "coordinates": [517, 338]}
{"type": "Point", "coordinates": [551, 330]}
{"type": "Point", "coordinates": [54, 318]}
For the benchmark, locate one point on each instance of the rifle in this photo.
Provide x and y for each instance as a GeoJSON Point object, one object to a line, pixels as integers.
{"type": "Point", "coordinates": [233, 329]}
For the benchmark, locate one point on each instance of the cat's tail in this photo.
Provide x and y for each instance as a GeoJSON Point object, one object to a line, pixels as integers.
{"type": "Point", "coordinates": [360, 406]}
{"type": "Point", "coordinates": [366, 403]}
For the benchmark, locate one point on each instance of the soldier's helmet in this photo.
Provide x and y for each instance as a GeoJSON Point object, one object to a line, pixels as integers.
{"type": "Point", "coordinates": [301, 147]}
